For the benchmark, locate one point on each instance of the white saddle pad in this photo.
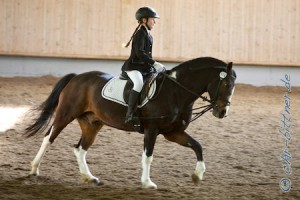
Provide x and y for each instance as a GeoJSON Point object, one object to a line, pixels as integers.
{"type": "Point", "coordinates": [113, 91]}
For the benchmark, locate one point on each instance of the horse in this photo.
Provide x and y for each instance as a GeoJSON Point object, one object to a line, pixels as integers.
{"type": "Point", "coordinates": [168, 113]}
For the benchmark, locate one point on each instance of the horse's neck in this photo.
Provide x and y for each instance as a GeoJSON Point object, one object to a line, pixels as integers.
{"type": "Point", "coordinates": [193, 86]}
{"type": "Point", "coordinates": [194, 82]}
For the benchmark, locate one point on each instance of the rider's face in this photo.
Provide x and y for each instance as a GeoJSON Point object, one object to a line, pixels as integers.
{"type": "Point", "coordinates": [150, 23]}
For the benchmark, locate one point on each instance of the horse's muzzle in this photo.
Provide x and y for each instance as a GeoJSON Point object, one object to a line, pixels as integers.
{"type": "Point", "coordinates": [220, 112]}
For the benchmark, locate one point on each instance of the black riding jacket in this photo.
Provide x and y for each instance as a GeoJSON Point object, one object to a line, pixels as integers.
{"type": "Point", "coordinates": [141, 53]}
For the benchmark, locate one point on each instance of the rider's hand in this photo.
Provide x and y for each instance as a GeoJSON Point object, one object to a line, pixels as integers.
{"type": "Point", "coordinates": [159, 67]}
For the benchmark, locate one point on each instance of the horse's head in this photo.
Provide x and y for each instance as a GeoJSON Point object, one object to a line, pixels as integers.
{"type": "Point", "coordinates": [221, 91]}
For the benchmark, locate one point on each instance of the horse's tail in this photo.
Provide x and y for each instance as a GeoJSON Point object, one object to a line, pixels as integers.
{"type": "Point", "coordinates": [48, 107]}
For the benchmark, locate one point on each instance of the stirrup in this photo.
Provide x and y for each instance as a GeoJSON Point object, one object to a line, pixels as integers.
{"type": "Point", "coordinates": [137, 127]}
{"type": "Point", "coordinates": [137, 124]}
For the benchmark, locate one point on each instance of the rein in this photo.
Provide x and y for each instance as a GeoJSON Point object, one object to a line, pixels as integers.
{"type": "Point", "coordinates": [188, 90]}
{"type": "Point", "coordinates": [202, 112]}
{"type": "Point", "coordinates": [205, 108]}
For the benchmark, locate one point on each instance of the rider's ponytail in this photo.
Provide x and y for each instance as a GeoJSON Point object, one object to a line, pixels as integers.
{"type": "Point", "coordinates": [137, 28]}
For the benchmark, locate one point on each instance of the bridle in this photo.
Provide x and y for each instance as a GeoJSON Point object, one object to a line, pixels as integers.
{"type": "Point", "coordinates": [212, 102]}
{"type": "Point", "coordinates": [206, 108]}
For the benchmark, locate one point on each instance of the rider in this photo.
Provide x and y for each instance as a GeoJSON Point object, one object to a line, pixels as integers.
{"type": "Point", "coordinates": [140, 61]}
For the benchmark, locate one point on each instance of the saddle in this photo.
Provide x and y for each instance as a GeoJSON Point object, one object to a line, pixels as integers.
{"type": "Point", "coordinates": [118, 89]}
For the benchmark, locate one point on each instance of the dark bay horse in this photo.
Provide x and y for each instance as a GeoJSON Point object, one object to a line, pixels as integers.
{"type": "Point", "coordinates": [169, 113]}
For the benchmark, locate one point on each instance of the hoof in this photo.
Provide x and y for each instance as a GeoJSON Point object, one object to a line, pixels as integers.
{"type": "Point", "coordinates": [196, 179]}
{"type": "Point", "coordinates": [92, 180]}
{"type": "Point", "coordinates": [34, 169]}
{"type": "Point", "coordinates": [34, 173]}
{"type": "Point", "coordinates": [32, 176]}
{"type": "Point", "coordinates": [96, 182]}
{"type": "Point", "coordinates": [149, 185]}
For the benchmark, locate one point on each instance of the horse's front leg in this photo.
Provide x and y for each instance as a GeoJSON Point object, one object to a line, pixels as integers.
{"type": "Point", "coordinates": [147, 157]}
{"type": "Point", "coordinates": [186, 140]}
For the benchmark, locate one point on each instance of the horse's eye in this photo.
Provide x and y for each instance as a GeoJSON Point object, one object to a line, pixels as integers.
{"type": "Point", "coordinates": [228, 85]}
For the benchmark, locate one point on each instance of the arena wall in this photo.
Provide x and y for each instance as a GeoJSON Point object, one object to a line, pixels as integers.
{"type": "Point", "coordinates": [250, 32]}
{"type": "Point", "coordinates": [11, 66]}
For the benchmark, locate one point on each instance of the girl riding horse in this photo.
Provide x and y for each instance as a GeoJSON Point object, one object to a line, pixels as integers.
{"type": "Point", "coordinates": [140, 61]}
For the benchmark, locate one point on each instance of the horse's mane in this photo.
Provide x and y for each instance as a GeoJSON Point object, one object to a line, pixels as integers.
{"type": "Point", "coordinates": [201, 63]}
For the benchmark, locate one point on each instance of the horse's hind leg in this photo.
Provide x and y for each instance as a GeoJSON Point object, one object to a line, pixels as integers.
{"type": "Point", "coordinates": [49, 138]}
{"type": "Point", "coordinates": [186, 140]}
{"type": "Point", "coordinates": [90, 128]}
{"type": "Point", "coordinates": [59, 124]}
{"type": "Point", "coordinates": [38, 158]}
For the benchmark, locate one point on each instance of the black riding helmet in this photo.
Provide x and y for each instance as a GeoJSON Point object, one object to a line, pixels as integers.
{"type": "Point", "coordinates": [145, 12]}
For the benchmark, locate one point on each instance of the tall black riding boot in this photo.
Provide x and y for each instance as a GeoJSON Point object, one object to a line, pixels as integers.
{"type": "Point", "coordinates": [132, 104]}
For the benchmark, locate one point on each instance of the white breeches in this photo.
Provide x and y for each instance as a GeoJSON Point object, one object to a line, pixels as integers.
{"type": "Point", "coordinates": [137, 79]}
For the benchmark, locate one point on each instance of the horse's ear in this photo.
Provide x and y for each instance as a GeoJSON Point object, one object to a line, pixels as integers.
{"type": "Point", "coordinates": [229, 67]}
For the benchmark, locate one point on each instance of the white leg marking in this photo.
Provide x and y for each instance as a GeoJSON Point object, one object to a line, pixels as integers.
{"type": "Point", "coordinates": [35, 164]}
{"type": "Point", "coordinates": [200, 169]}
{"type": "Point", "coordinates": [146, 163]}
{"type": "Point", "coordinates": [83, 167]}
